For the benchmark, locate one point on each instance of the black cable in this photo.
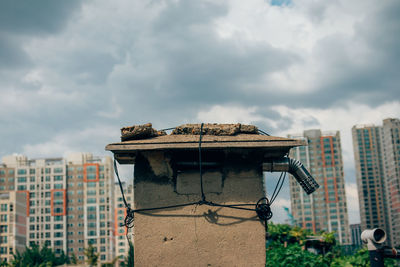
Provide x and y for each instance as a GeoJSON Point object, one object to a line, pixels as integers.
{"type": "Point", "coordinates": [168, 207]}
{"type": "Point", "coordinates": [264, 209]}
{"type": "Point", "coordinates": [120, 184]}
{"type": "Point", "coordinates": [203, 197]}
{"type": "Point", "coordinates": [167, 129]}
{"type": "Point", "coordinates": [276, 187]}
{"type": "Point", "coordinates": [234, 206]}
{"type": "Point", "coordinates": [280, 187]}
{"type": "Point", "coordinates": [264, 133]}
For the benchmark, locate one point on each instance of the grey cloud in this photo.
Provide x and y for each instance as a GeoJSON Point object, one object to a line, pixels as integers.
{"type": "Point", "coordinates": [188, 67]}
{"type": "Point", "coordinates": [180, 16]}
{"type": "Point", "coordinates": [167, 69]}
{"type": "Point", "coordinates": [20, 20]}
{"type": "Point", "coordinates": [35, 17]}
{"type": "Point", "coordinates": [11, 54]}
{"type": "Point", "coordinates": [377, 80]}
{"type": "Point", "coordinates": [86, 66]}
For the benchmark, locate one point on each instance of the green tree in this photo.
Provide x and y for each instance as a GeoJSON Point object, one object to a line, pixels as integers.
{"type": "Point", "coordinates": [35, 256]}
{"type": "Point", "coordinates": [287, 234]}
{"type": "Point", "coordinates": [359, 259]}
{"type": "Point", "coordinates": [293, 255]}
{"type": "Point", "coordinates": [73, 259]}
{"type": "Point", "coordinates": [284, 248]}
{"type": "Point", "coordinates": [91, 255]}
{"type": "Point", "coordinates": [110, 264]}
{"type": "Point", "coordinates": [3, 263]}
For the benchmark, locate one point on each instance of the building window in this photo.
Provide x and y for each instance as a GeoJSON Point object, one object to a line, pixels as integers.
{"type": "Point", "coordinates": [21, 171]}
{"type": "Point", "coordinates": [91, 233]}
{"type": "Point", "coordinates": [91, 200]}
{"type": "Point", "coordinates": [3, 250]}
{"type": "Point", "coordinates": [21, 187]}
{"type": "Point", "coordinates": [58, 170]}
{"type": "Point", "coordinates": [58, 234]}
{"type": "Point", "coordinates": [58, 186]}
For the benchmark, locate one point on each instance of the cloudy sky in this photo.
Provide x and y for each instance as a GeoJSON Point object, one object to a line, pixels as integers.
{"type": "Point", "coordinates": [73, 72]}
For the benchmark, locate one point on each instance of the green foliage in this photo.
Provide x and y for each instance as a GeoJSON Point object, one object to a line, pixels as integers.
{"type": "Point", "coordinates": [286, 233]}
{"type": "Point", "coordinates": [110, 264]}
{"type": "Point", "coordinates": [293, 255]}
{"type": "Point", "coordinates": [329, 238]}
{"type": "Point", "coordinates": [91, 255]}
{"type": "Point", "coordinates": [35, 257]}
{"type": "Point", "coordinates": [359, 259]}
{"type": "Point", "coordinates": [74, 259]}
{"type": "Point", "coordinates": [284, 248]}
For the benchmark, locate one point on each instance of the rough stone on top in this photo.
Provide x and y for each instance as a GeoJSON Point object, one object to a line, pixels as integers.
{"type": "Point", "coordinates": [136, 132]}
{"type": "Point", "coordinates": [215, 129]}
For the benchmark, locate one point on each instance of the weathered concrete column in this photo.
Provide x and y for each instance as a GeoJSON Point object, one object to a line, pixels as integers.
{"type": "Point", "coordinates": [197, 235]}
{"type": "Point", "coordinates": [167, 173]}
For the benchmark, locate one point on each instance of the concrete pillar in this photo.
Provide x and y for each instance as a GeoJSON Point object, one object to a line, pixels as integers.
{"type": "Point", "coordinates": [197, 235]}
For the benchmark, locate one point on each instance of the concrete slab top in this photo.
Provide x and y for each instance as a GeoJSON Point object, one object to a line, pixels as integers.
{"type": "Point", "coordinates": [271, 146]}
{"type": "Point", "coordinates": [208, 141]}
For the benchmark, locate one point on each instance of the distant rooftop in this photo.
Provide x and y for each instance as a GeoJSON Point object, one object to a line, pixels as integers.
{"type": "Point", "coordinates": [361, 126]}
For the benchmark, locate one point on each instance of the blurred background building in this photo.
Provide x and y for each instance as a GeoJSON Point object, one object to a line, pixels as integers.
{"type": "Point", "coordinates": [377, 159]}
{"type": "Point", "coordinates": [68, 203]}
{"type": "Point", "coordinates": [121, 232]}
{"type": "Point", "coordinates": [13, 214]}
{"type": "Point", "coordinates": [326, 208]}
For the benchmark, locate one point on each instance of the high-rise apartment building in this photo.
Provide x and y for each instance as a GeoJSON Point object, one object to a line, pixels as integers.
{"type": "Point", "coordinates": [391, 162]}
{"type": "Point", "coordinates": [326, 208]}
{"type": "Point", "coordinates": [121, 232]}
{"type": "Point", "coordinates": [70, 201]}
{"type": "Point", "coordinates": [377, 159]}
{"type": "Point", "coordinates": [90, 208]}
{"type": "Point", "coordinates": [12, 224]}
{"type": "Point", "coordinates": [370, 176]}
